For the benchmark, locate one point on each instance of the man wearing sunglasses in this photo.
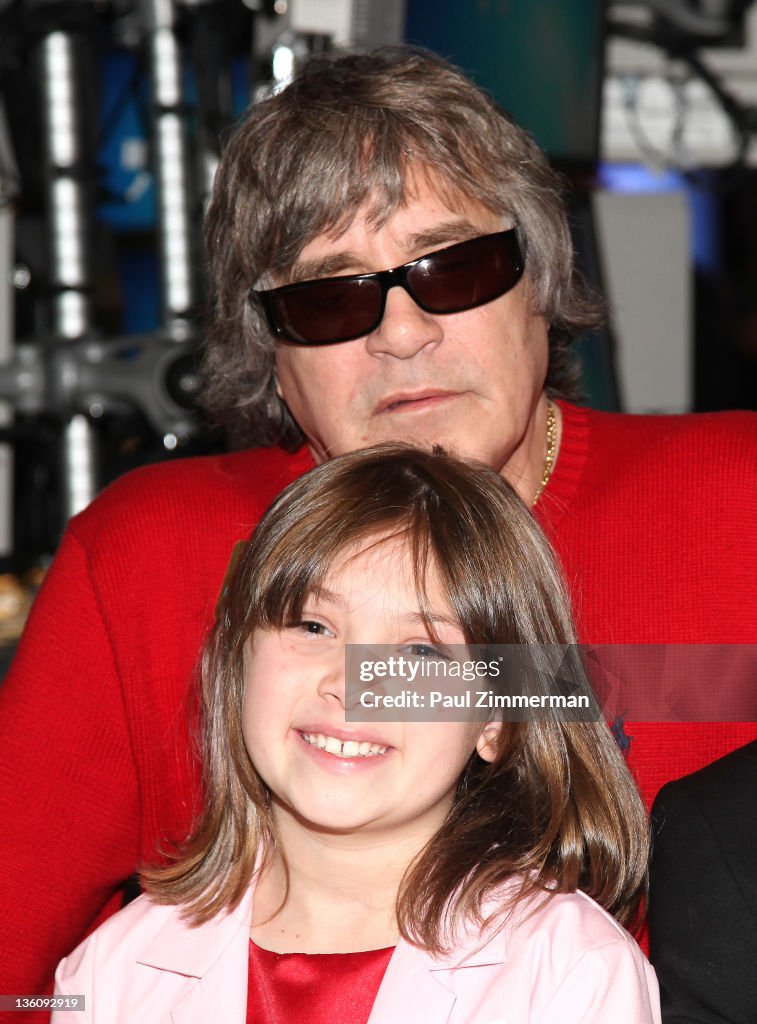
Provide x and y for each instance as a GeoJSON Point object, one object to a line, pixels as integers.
{"type": "Point", "coordinates": [390, 259]}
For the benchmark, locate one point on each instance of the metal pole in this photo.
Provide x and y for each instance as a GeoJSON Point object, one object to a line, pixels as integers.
{"type": "Point", "coordinates": [8, 185]}
{"type": "Point", "coordinates": [170, 167]}
{"type": "Point", "coordinates": [69, 264]}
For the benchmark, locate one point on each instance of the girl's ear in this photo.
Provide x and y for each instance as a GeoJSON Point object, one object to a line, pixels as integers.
{"type": "Point", "coordinates": [488, 742]}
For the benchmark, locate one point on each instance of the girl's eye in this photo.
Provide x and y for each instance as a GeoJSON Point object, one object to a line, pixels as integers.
{"type": "Point", "coordinates": [313, 627]}
{"type": "Point", "coordinates": [421, 650]}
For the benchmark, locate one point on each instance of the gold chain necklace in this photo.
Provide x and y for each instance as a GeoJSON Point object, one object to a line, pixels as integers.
{"type": "Point", "coordinates": [549, 455]}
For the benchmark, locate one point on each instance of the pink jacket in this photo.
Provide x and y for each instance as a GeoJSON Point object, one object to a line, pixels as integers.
{"type": "Point", "coordinates": [569, 962]}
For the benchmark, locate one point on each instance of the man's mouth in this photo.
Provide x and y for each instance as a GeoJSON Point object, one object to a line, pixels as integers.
{"type": "Point", "coordinates": [343, 748]}
{"type": "Point", "coordinates": [408, 400]}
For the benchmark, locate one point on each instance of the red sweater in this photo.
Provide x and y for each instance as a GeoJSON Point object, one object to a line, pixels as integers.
{"type": "Point", "coordinates": [654, 520]}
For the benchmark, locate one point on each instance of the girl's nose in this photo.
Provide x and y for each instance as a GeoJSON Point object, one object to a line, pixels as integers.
{"type": "Point", "coordinates": [331, 684]}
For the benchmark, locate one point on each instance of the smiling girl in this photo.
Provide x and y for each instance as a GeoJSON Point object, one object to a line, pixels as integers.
{"type": "Point", "coordinates": [385, 871]}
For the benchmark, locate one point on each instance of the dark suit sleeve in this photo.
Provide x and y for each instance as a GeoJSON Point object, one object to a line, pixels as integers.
{"type": "Point", "coordinates": [703, 898]}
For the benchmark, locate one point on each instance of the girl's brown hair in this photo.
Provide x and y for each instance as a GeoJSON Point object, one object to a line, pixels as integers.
{"type": "Point", "coordinates": [556, 808]}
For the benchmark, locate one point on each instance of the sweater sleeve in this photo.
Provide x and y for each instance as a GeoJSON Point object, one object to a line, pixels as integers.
{"type": "Point", "coordinates": [66, 764]}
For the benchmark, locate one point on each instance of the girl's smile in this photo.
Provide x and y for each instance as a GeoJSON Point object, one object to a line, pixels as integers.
{"type": "Point", "coordinates": [341, 747]}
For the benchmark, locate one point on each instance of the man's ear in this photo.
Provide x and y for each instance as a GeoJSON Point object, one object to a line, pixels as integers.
{"type": "Point", "coordinates": [279, 392]}
{"type": "Point", "coordinates": [488, 742]}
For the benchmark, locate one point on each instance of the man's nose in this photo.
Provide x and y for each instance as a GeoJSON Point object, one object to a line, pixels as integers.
{"type": "Point", "coordinates": [405, 328]}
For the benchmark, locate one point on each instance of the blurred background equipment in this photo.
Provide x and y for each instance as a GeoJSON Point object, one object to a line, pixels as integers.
{"type": "Point", "coordinates": [681, 88]}
{"type": "Point", "coordinates": [111, 112]}
{"type": "Point", "coordinates": [679, 146]}
{"type": "Point", "coordinates": [542, 61]}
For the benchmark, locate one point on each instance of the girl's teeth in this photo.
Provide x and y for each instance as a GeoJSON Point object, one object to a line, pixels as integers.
{"type": "Point", "coordinates": [333, 746]}
{"type": "Point", "coordinates": [346, 748]}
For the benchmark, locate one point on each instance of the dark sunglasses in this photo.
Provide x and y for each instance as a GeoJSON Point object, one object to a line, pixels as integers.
{"type": "Point", "coordinates": [333, 309]}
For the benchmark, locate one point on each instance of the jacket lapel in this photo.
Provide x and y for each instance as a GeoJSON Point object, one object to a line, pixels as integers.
{"type": "Point", "coordinates": [213, 960]}
{"type": "Point", "coordinates": [423, 988]}
{"type": "Point", "coordinates": [411, 990]}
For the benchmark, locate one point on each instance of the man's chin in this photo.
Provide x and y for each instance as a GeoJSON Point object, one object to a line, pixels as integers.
{"type": "Point", "coordinates": [428, 439]}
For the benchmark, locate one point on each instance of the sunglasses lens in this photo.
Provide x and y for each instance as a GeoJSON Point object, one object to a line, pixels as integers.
{"type": "Point", "coordinates": [467, 275]}
{"type": "Point", "coordinates": [450, 280]}
{"type": "Point", "coordinates": [319, 312]}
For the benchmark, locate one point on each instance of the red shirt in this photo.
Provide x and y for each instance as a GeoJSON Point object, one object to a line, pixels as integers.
{"type": "Point", "coordinates": [313, 988]}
